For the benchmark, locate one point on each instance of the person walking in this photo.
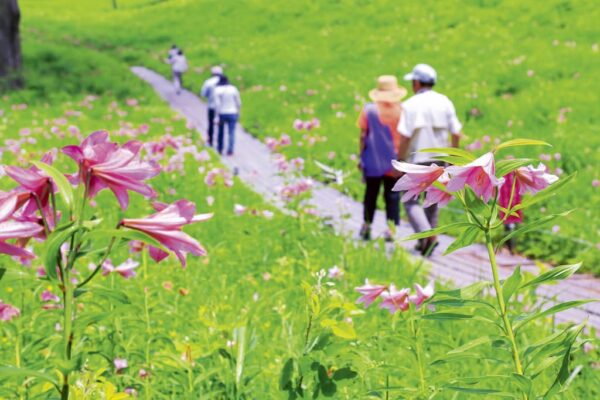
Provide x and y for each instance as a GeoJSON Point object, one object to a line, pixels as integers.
{"type": "Point", "coordinates": [207, 91]}
{"type": "Point", "coordinates": [428, 121]}
{"type": "Point", "coordinates": [227, 106]}
{"type": "Point", "coordinates": [178, 67]}
{"type": "Point", "coordinates": [379, 145]}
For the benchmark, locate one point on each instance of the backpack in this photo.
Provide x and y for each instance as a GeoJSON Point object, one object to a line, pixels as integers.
{"type": "Point", "coordinates": [379, 151]}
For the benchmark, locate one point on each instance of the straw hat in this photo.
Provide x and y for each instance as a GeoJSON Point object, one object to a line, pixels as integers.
{"type": "Point", "coordinates": [387, 90]}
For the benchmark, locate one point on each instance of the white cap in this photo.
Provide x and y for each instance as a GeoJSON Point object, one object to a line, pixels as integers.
{"type": "Point", "coordinates": [216, 70]}
{"type": "Point", "coordinates": [422, 73]}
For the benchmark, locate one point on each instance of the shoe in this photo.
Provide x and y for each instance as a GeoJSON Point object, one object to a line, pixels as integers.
{"type": "Point", "coordinates": [428, 247]}
{"type": "Point", "coordinates": [365, 232]}
{"type": "Point", "coordinates": [388, 235]}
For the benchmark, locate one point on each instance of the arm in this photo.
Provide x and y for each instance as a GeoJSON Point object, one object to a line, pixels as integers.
{"type": "Point", "coordinates": [403, 147]}
{"type": "Point", "coordinates": [456, 139]}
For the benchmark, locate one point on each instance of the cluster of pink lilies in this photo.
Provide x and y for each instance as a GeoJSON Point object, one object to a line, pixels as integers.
{"type": "Point", "coordinates": [478, 174]}
{"type": "Point", "coordinates": [394, 300]}
{"type": "Point", "coordinates": [28, 211]}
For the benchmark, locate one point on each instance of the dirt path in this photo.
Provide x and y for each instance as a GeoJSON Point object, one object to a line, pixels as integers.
{"type": "Point", "coordinates": [255, 166]}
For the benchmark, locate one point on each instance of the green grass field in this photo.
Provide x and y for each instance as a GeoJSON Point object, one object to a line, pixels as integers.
{"type": "Point", "coordinates": [227, 326]}
{"type": "Point", "coordinates": [513, 69]}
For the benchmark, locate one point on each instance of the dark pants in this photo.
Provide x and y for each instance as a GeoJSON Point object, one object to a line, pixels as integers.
{"type": "Point", "coordinates": [229, 120]}
{"type": "Point", "coordinates": [211, 125]}
{"type": "Point", "coordinates": [392, 199]}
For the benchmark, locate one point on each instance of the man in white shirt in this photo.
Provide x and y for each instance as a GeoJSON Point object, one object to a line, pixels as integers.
{"type": "Point", "coordinates": [178, 66]}
{"type": "Point", "coordinates": [428, 121]}
{"type": "Point", "coordinates": [227, 106]}
{"type": "Point", "coordinates": [207, 91]}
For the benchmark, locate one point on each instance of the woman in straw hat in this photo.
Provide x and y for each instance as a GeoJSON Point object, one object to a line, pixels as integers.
{"type": "Point", "coordinates": [379, 144]}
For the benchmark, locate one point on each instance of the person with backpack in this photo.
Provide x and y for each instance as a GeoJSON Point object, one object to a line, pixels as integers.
{"type": "Point", "coordinates": [208, 92]}
{"type": "Point", "coordinates": [227, 106]}
{"type": "Point", "coordinates": [379, 145]}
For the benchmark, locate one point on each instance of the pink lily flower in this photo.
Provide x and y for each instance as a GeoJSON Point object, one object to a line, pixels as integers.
{"type": "Point", "coordinates": [17, 230]}
{"type": "Point", "coordinates": [11, 202]}
{"type": "Point", "coordinates": [107, 165]}
{"type": "Point", "coordinates": [49, 296]}
{"type": "Point", "coordinates": [126, 269]}
{"type": "Point", "coordinates": [395, 300]}
{"type": "Point", "coordinates": [416, 179]}
{"type": "Point", "coordinates": [36, 182]}
{"type": "Point", "coordinates": [423, 293]}
{"type": "Point", "coordinates": [433, 195]}
{"type": "Point", "coordinates": [369, 292]}
{"type": "Point", "coordinates": [120, 364]}
{"type": "Point", "coordinates": [530, 179]}
{"type": "Point", "coordinates": [165, 226]}
{"type": "Point", "coordinates": [239, 209]}
{"type": "Point", "coordinates": [478, 174]}
{"type": "Point", "coordinates": [8, 312]}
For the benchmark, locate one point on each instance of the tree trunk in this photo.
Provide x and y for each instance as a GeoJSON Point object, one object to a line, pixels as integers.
{"type": "Point", "coordinates": [10, 45]}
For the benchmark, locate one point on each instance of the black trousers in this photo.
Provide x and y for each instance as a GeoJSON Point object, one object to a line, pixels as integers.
{"type": "Point", "coordinates": [211, 125]}
{"type": "Point", "coordinates": [392, 199]}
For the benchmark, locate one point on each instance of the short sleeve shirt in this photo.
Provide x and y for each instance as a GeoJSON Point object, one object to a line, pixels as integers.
{"type": "Point", "coordinates": [428, 119]}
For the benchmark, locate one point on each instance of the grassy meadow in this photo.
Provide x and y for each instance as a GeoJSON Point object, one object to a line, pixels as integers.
{"type": "Point", "coordinates": [261, 313]}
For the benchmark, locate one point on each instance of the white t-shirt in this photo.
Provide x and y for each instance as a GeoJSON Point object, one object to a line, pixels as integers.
{"type": "Point", "coordinates": [178, 63]}
{"type": "Point", "coordinates": [208, 90]}
{"type": "Point", "coordinates": [227, 100]}
{"type": "Point", "coordinates": [427, 119]}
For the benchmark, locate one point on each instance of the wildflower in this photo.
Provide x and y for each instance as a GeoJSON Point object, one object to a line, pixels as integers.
{"type": "Point", "coordinates": [508, 199]}
{"type": "Point", "coordinates": [530, 179]}
{"type": "Point", "coordinates": [476, 145]}
{"type": "Point", "coordinates": [595, 183]}
{"type": "Point", "coordinates": [433, 195]}
{"type": "Point", "coordinates": [239, 209]}
{"type": "Point", "coordinates": [17, 230]}
{"type": "Point", "coordinates": [334, 272]}
{"type": "Point", "coordinates": [11, 202]}
{"type": "Point", "coordinates": [165, 226]}
{"type": "Point", "coordinates": [210, 200]}
{"type": "Point", "coordinates": [8, 312]}
{"type": "Point", "coordinates": [126, 269]}
{"type": "Point", "coordinates": [120, 364]}
{"type": "Point", "coordinates": [143, 373]}
{"type": "Point", "coordinates": [298, 124]}
{"type": "Point", "coordinates": [107, 165]}
{"type": "Point", "coordinates": [395, 300]}
{"type": "Point", "coordinates": [555, 229]}
{"type": "Point", "coordinates": [369, 293]}
{"type": "Point", "coordinates": [267, 214]}
{"type": "Point", "coordinates": [422, 294]}
{"type": "Point", "coordinates": [478, 174]}
{"type": "Point", "coordinates": [49, 296]}
{"type": "Point", "coordinates": [416, 179]}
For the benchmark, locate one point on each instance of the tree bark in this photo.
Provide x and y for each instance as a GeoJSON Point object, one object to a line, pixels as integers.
{"type": "Point", "coordinates": [10, 45]}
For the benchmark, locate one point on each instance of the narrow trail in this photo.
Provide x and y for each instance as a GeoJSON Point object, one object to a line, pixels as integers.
{"type": "Point", "coordinates": [254, 165]}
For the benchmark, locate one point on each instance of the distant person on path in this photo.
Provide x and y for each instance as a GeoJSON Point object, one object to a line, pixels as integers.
{"type": "Point", "coordinates": [208, 91]}
{"type": "Point", "coordinates": [428, 120]}
{"type": "Point", "coordinates": [227, 106]}
{"type": "Point", "coordinates": [172, 51]}
{"type": "Point", "coordinates": [178, 67]}
{"type": "Point", "coordinates": [379, 145]}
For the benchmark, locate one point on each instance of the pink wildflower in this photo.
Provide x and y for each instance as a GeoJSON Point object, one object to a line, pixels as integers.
{"type": "Point", "coordinates": [334, 272]}
{"type": "Point", "coordinates": [423, 293]}
{"type": "Point", "coordinates": [120, 364]}
{"type": "Point", "coordinates": [126, 269]}
{"type": "Point", "coordinates": [17, 230]}
{"type": "Point", "coordinates": [478, 174]}
{"type": "Point", "coordinates": [530, 179]}
{"type": "Point", "coordinates": [8, 312]}
{"type": "Point", "coordinates": [298, 124]}
{"type": "Point", "coordinates": [49, 296]}
{"type": "Point", "coordinates": [395, 300]}
{"type": "Point", "coordinates": [369, 292]}
{"type": "Point", "coordinates": [416, 179]}
{"type": "Point", "coordinates": [165, 226]}
{"type": "Point", "coordinates": [239, 209]}
{"type": "Point", "coordinates": [433, 195]}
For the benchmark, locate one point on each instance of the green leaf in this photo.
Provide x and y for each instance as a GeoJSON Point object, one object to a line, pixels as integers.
{"type": "Point", "coordinates": [445, 316]}
{"type": "Point", "coordinates": [552, 310]}
{"type": "Point", "coordinates": [467, 292]}
{"type": "Point", "coordinates": [452, 151]}
{"type": "Point", "coordinates": [554, 274]}
{"type": "Point", "coordinates": [344, 373]}
{"type": "Point", "coordinates": [474, 343]}
{"type": "Point", "coordinates": [524, 383]}
{"type": "Point", "coordinates": [480, 391]}
{"type": "Point", "coordinates": [454, 160]}
{"type": "Point", "coordinates": [344, 330]}
{"type": "Point", "coordinates": [14, 372]}
{"type": "Point", "coordinates": [510, 286]}
{"type": "Point", "coordinates": [52, 246]}
{"type": "Point", "coordinates": [63, 185]}
{"type": "Point", "coordinates": [521, 142]}
{"type": "Point", "coordinates": [530, 226]}
{"type": "Point", "coordinates": [109, 294]}
{"type": "Point", "coordinates": [2, 272]}
{"type": "Point", "coordinates": [550, 191]}
{"type": "Point", "coordinates": [285, 379]}
{"type": "Point", "coordinates": [504, 167]}
{"type": "Point", "coordinates": [437, 231]}
{"type": "Point", "coordinates": [563, 374]}
{"type": "Point", "coordinates": [465, 239]}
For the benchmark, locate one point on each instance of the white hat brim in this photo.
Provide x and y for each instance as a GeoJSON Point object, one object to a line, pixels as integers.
{"type": "Point", "coordinates": [409, 77]}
